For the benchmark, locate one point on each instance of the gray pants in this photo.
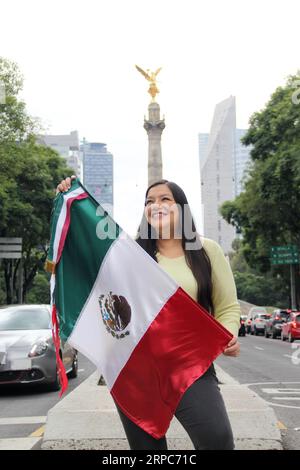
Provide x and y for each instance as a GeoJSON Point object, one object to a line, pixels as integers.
{"type": "Point", "coordinates": [202, 413]}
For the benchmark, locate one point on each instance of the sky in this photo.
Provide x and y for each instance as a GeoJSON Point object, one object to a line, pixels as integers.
{"type": "Point", "coordinates": [78, 59]}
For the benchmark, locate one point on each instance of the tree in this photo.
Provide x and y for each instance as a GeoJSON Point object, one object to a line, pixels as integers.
{"type": "Point", "coordinates": [29, 175]}
{"type": "Point", "coordinates": [254, 288]}
{"type": "Point", "coordinates": [15, 123]}
{"type": "Point", "coordinates": [39, 293]}
{"type": "Point", "coordinates": [267, 212]}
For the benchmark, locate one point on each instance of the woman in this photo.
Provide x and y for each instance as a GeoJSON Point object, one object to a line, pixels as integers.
{"type": "Point", "coordinates": [167, 232]}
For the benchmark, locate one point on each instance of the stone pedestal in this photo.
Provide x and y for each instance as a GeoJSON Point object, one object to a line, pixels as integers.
{"type": "Point", "coordinates": [154, 127]}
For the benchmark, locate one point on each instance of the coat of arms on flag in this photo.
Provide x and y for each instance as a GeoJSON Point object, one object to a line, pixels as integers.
{"type": "Point", "coordinates": [113, 303]}
{"type": "Point", "coordinates": [116, 314]}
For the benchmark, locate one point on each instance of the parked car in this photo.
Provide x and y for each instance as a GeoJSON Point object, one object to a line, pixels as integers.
{"type": "Point", "coordinates": [275, 322]}
{"type": "Point", "coordinates": [242, 330]}
{"type": "Point", "coordinates": [291, 327]}
{"type": "Point", "coordinates": [27, 352]}
{"type": "Point", "coordinates": [258, 323]}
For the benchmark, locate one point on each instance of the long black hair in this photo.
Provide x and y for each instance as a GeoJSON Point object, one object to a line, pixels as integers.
{"type": "Point", "coordinates": [197, 259]}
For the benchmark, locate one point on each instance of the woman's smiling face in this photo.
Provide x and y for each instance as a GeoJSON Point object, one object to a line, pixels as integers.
{"type": "Point", "coordinates": [161, 210]}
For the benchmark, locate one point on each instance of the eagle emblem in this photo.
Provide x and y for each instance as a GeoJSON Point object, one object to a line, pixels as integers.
{"type": "Point", "coordinates": [116, 314]}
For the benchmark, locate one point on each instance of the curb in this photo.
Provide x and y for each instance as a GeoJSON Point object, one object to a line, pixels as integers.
{"type": "Point", "coordinates": [87, 419]}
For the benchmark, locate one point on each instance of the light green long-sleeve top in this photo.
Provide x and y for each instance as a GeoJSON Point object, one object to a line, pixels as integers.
{"type": "Point", "coordinates": [224, 296]}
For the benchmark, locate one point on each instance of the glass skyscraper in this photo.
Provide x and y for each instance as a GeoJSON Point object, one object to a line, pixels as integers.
{"type": "Point", "coordinates": [223, 160]}
{"type": "Point", "coordinates": [98, 173]}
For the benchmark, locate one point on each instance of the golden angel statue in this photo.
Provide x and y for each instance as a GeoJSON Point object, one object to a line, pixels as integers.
{"type": "Point", "coordinates": [151, 77]}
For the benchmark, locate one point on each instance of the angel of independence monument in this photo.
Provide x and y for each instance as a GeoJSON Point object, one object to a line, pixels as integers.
{"type": "Point", "coordinates": [154, 126]}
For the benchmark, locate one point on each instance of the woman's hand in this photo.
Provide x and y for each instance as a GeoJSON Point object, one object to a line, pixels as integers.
{"type": "Point", "coordinates": [64, 185]}
{"type": "Point", "coordinates": [233, 348]}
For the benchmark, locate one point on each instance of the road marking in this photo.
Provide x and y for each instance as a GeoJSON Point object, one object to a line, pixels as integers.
{"type": "Point", "coordinates": [288, 355]}
{"type": "Point", "coordinates": [269, 383]}
{"type": "Point", "coordinates": [286, 391]}
{"type": "Point", "coordinates": [18, 443]}
{"type": "Point", "coordinates": [38, 432]}
{"type": "Point", "coordinates": [286, 398]}
{"type": "Point", "coordinates": [23, 420]}
{"type": "Point", "coordinates": [257, 347]}
{"type": "Point", "coordinates": [274, 391]}
{"type": "Point", "coordinates": [280, 405]}
{"type": "Point", "coordinates": [280, 425]}
{"type": "Point", "coordinates": [80, 370]}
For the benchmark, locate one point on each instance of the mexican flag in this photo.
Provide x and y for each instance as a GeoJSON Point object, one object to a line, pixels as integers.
{"type": "Point", "coordinates": [112, 302]}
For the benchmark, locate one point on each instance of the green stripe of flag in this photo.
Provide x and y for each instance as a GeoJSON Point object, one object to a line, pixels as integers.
{"type": "Point", "coordinates": [91, 233]}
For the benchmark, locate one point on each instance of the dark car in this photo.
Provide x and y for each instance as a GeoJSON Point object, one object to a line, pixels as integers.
{"type": "Point", "coordinates": [27, 352]}
{"type": "Point", "coordinates": [242, 330]}
{"type": "Point", "coordinates": [275, 322]}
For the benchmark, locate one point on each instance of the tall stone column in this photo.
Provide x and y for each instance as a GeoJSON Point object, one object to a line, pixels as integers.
{"type": "Point", "coordinates": [154, 127]}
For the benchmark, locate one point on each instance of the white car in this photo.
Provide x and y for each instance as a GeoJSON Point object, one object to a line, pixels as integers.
{"type": "Point", "coordinates": [259, 316]}
{"type": "Point", "coordinates": [27, 352]}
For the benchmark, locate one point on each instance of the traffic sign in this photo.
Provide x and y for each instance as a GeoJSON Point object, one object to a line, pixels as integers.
{"type": "Point", "coordinates": [10, 248]}
{"type": "Point", "coordinates": [287, 254]}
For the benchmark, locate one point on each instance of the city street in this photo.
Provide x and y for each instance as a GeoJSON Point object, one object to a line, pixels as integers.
{"type": "Point", "coordinates": [272, 369]}
{"type": "Point", "coordinates": [23, 410]}
{"type": "Point", "coordinates": [269, 367]}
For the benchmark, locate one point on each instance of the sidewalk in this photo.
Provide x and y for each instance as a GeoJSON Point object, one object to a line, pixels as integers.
{"type": "Point", "coordinates": [87, 419]}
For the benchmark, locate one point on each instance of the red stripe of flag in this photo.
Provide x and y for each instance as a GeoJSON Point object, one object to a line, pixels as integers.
{"type": "Point", "coordinates": [177, 348]}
